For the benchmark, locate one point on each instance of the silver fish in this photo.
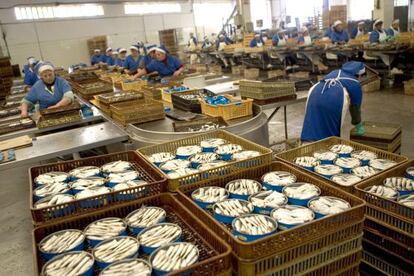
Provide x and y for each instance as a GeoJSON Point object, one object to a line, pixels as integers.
{"type": "Point", "coordinates": [328, 205]}
{"type": "Point", "coordinates": [122, 176]}
{"type": "Point", "coordinates": [181, 172]}
{"type": "Point", "coordinates": [383, 191]}
{"type": "Point", "coordinates": [204, 157]}
{"type": "Point", "coordinates": [159, 234]}
{"type": "Point", "coordinates": [364, 172]}
{"type": "Point", "coordinates": [69, 264]}
{"type": "Point", "coordinates": [228, 149]}
{"type": "Point", "coordinates": [161, 157]}
{"type": "Point", "coordinates": [175, 164]}
{"type": "Point", "coordinates": [61, 241]}
{"type": "Point", "coordinates": [86, 183]}
{"type": "Point", "coordinates": [188, 150]}
{"type": "Point", "coordinates": [53, 200]}
{"type": "Point", "coordinates": [328, 169]}
{"type": "Point", "coordinates": [410, 171]}
{"type": "Point", "coordinates": [243, 186]}
{"type": "Point", "coordinates": [48, 190]}
{"type": "Point", "coordinates": [145, 216]}
{"type": "Point", "coordinates": [105, 228]}
{"type": "Point", "coordinates": [407, 201]}
{"type": "Point", "coordinates": [233, 207]}
{"type": "Point", "coordinates": [211, 165]}
{"type": "Point", "coordinates": [279, 178]}
{"type": "Point", "coordinates": [115, 249]}
{"type": "Point", "coordinates": [364, 155]}
{"type": "Point", "coordinates": [382, 164]}
{"type": "Point", "coordinates": [210, 194]}
{"type": "Point", "coordinates": [174, 256]}
{"type": "Point", "coordinates": [268, 199]}
{"type": "Point", "coordinates": [347, 162]}
{"type": "Point", "coordinates": [325, 155]}
{"type": "Point", "coordinates": [254, 224]}
{"type": "Point", "coordinates": [129, 184]}
{"type": "Point", "coordinates": [85, 172]}
{"type": "Point", "coordinates": [116, 167]}
{"type": "Point", "coordinates": [213, 142]}
{"type": "Point", "coordinates": [292, 214]}
{"type": "Point", "coordinates": [399, 183]}
{"type": "Point", "coordinates": [306, 161]}
{"type": "Point", "coordinates": [301, 190]}
{"type": "Point", "coordinates": [93, 191]}
{"type": "Point", "coordinates": [128, 267]}
{"type": "Point", "coordinates": [345, 179]}
{"type": "Point", "coordinates": [51, 178]}
{"type": "Point", "coordinates": [339, 148]}
{"type": "Point", "coordinates": [246, 154]}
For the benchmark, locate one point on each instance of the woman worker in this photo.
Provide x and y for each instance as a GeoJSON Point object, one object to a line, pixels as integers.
{"type": "Point", "coordinates": [329, 100]}
{"type": "Point", "coordinates": [49, 92]}
{"type": "Point", "coordinates": [132, 61]}
{"type": "Point", "coordinates": [150, 56]}
{"type": "Point", "coordinates": [30, 77]}
{"type": "Point", "coordinates": [378, 35]}
{"type": "Point", "coordinates": [164, 64]}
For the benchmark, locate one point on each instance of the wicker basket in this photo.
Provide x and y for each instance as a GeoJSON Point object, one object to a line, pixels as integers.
{"type": "Point", "coordinates": [132, 85]}
{"type": "Point", "coordinates": [409, 88]}
{"type": "Point", "coordinates": [229, 111]}
{"type": "Point", "coordinates": [219, 172]}
{"type": "Point", "coordinates": [215, 68]}
{"type": "Point", "coordinates": [287, 247]}
{"type": "Point", "coordinates": [252, 73]}
{"type": "Point", "coordinates": [214, 256]}
{"type": "Point", "coordinates": [309, 149]}
{"type": "Point", "coordinates": [137, 112]}
{"type": "Point", "coordinates": [372, 86]}
{"type": "Point", "coordinates": [265, 90]}
{"type": "Point", "coordinates": [275, 73]}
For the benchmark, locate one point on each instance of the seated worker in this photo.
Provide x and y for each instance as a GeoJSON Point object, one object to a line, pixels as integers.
{"type": "Point", "coordinates": [257, 41]}
{"type": "Point", "coordinates": [206, 43]}
{"type": "Point", "coordinates": [150, 56]}
{"type": "Point", "coordinates": [358, 30]}
{"type": "Point", "coordinates": [108, 57]}
{"type": "Point", "coordinates": [132, 61]}
{"type": "Point", "coordinates": [115, 58]}
{"type": "Point", "coordinates": [338, 34]}
{"type": "Point", "coordinates": [49, 92]}
{"type": "Point", "coordinates": [304, 37]}
{"type": "Point", "coordinates": [378, 35]}
{"type": "Point", "coordinates": [329, 100]}
{"type": "Point", "coordinates": [279, 39]}
{"type": "Point", "coordinates": [164, 64]}
{"type": "Point", "coordinates": [122, 55]}
{"type": "Point", "coordinates": [97, 57]}
{"type": "Point", "coordinates": [394, 30]}
{"type": "Point", "coordinates": [328, 32]}
{"type": "Point", "coordinates": [30, 77]}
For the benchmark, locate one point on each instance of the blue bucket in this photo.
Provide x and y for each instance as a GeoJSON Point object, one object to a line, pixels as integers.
{"type": "Point", "coordinates": [148, 249]}
{"type": "Point", "coordinates": [127, 261]}
{"type": "Point", "coordinates": [208, 149]}
{"type": "Point", "coordinates": [238, 196]}
{"type": "Point", "coordinates": [297, 201]}
{"type": "Point", "coordinates": [226, 157]}
{"type": "Point", "coordinates": [137, 229]}
{"type": "Point", "coordinates": [205, 205]}
{"type": "Point", "coordinates": [182, 157]}
{"type": "Point", "coordinates": [48, 255]}
{"type": "Point", "coordinates": [103, 264]}
{"type": "Point", "coordinates": [228, 219]}
{"type": "Point", "coordinates": [326, 162]}
{"type": "Point", "coordinates": [88, 272]}
{"type": "Point", "coordinates": [248, 237]}
{"type": "Point", "coordinates": [277, 188]}
{"type": "Point", "coordinates": [344, 154]}
{"type": "Point", "coordinates": [404, 193]}
{"type": "Point", "coordinates": [285, 226]}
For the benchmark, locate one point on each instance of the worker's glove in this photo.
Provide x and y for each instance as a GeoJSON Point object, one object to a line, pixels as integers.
{"type": "Point", "coordinates": [359, 129]}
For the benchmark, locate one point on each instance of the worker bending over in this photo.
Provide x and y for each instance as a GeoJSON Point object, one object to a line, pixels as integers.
{"type": "Point", "coordinates": [164, 64]}
{"type": "Point", "coordinates": [329, 100]}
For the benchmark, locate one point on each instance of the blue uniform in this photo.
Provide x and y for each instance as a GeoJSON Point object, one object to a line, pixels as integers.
{"type": "Point", "coordinates": [39, 93]}
{"type": "Point", "coordinates": [253, 42]}
{"type": "Point", "coordinates": [337, 37]}
{"type": "Point", "coordinates": [145, 61]}
{"type": "Point", "coordinates": [95, 59]}
{"type": "Point", "coordinates": [166, 67]}
{"type": "Point", "coordinates": [117, 62]}
{"type": "Point", "coordinates": [328, 32]}
{"type": "Point", "coordinates": [327, 103]}
{"type": "Point", "coordinates": [391, 32]}
{"type": "Point", "coordinates": [355, 32]}
{"type": "Point", "coordinates": [132, 64]}
{"type": "Point", "coordinates": [108, 60]}
{"type": "Point", "coordinates": [275, 39]}
{"type": "Point", "coordinates": [374, 36]}
{"type": "Point", "coordinates": [30, 77]}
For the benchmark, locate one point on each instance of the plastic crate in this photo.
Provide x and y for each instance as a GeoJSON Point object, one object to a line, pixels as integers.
{"type": "Point", "coordinates": [265, 90]}
{"type": "Point", "coordinates": [189, 105]}
{"type": "Point", "coordinates": [167, 96]}
{"type": "Point", "coordinates": [396, 216]}
{"type": "Point", "coordinates": [276, 244]}
{"type": "Point", "coordinates": [214, 253]}
{"type": "Point", "coordinates": [136, 112]}
{"type": "Point", "coordinates": [252, 73]}
{"type": "Point", "coordinates": [309, 149]}
{"type": "Point", "coordinates": [157, 184]}
{"type": "Point", "coordinates": [207, 176]}
{"type": "Point", "coordinates": [229, 111]}
{"type": "Point", "coordinates": [132, 85]}
{"type": "Point", "coordinates": [389, 233]}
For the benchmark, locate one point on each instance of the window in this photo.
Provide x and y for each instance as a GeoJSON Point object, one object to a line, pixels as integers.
{"type": "Point", "coordinates": [302, 10]}
{"type": "Point", "coordinates": [360, 9]}
{"type": "Point", "coordinates": [212, 15]}
{"type": "Point", "coordinates": [61, 11]}
{"type": "Point", "coordinates": [149, 8]}
{"type": "Point", "coordinates": [398, 3]}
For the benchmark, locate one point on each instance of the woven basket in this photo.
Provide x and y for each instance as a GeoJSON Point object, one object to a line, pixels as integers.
{"type": "Point", "coordinates": [252, 73]}
{"type": "Point", "coordinates": [409, 88]}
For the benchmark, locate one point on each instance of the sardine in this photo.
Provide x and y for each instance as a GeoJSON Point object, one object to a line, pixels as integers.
{"type": "Point", "coordinates": [246, 154]}
{"type": "Point", "coordinates": [347, 162]}
{"type": "Point", "coordinates": [122, 176]}
{"type": "Point", "coordinates": [399, 183]}
{"type": "Point", "coordinates": [116, 167]}
{"type": "Point", "coordinates": [175, 164]}
{"type": "Point", "coordinates": [69, 264]}
{"type": "Point", "coordinates": [382, 164]}
{"type": "Point", "coordinates": [233, 207]}
{"type": "Point", "coordinates": [129, 184]}
{"type": "Point", "coordinates": [175, 256]}
{"type": "Point", "coordinates": [268, 199]}
{"type": "Point", "coordinates": [53, 200]}
{"type": "Point", "coordinates": [211, 165]}
{"type": "Point", "coordinates": [116, 249]}
{"type": "Point", "coordinates": [228, 149]}
{"type": "Point", "coordinates": [292, 214]}
{"type": "Point", "coordinates": [345, 179]}
{"type": "Point", "coordinates": [254, 224]}
{"type": "Point", "coordinates": [243, 186]}
{"type": "Point", "coordinates": [61, 241]}
{"type": "Point", "coordinates": [328, 205]}
{"type": "Point", "coordinates": [93, 191]}
{"type": "Point", "coordinates": [145, 217]}
{"type": "Point", "coordinates": [181, 172]}
{"type": "Point", "coordinates": [407, 201]}
{"type": "Point", "coordinates": [53, 189]}
{"type": "Point", "coordinates": [212, 143]}
{"type": "Point", "coordinates": [279, 178]}
{"type": "Point", "coordinates": [383, 191]}
{"type": "Point", "coordinates": [328, 169]}
{"type": "Point", "coordinates": [86, 183]}
{"type": "Point", "coordinates": [410, 171]}
{"type": "Point", "coordinates": [204, 157]}
{"type": "Point", "coordinates": [343, 149]}
{"type": "Point", "coordinates": [105, 228]}
{"type": "Point", "coordinates": [159, 235]}
{"type": "Point", "coordinates": [128, 267]}
{"type": "Point", "coordinates": [301, 190]}
{"type": "Point", "coordinates": [210, 194]}
{"type": "Point", "coordinates": [188, 150]}
{"type": "Point", "coordinates": [306, 161]}
{"type": "Point", "coordinates": [325, 155]}
{"type": "Point", "coordinates": [51, 178]}
{"type": "Point", "coordinates": [161, 157]}
{"type": "Point", "coordinates": [85, 172]}
{"type": "Point", "coordinates": [364, 172]}
{"type": "Point", "coordinates": [364, 155]}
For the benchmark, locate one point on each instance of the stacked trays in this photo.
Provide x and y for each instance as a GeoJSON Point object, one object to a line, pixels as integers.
{"type": "Point", "coordinates": [216, 172]}
{"type": "Point", "coordinates": [322, 246]}
{"type": "Point", "coordinates": [189, 104]}
{"type": "Point", "coordinates": [266, 92]}
{"type": "Point", "coordinates": [364, 171]}
{"type": "Point", "coordinates": [155, 184]}
{"type": "Point", "coordinates": [137, 112]}
{"type": "Point", "coordinates": [213, 253]}
{"type": "Point", "coordinates": [233, 110]}
{"type": "Point", "coordinates": [389, 226]}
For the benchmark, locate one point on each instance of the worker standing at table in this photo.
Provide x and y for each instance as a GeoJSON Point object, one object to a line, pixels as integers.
{"type": "Point", "coordinates": [329, 100]}
{"type": "Point", "coordinates": [108, 56]}
{"type": "Point", "coordinates": [132, 61]}
{"type": "Point", "coordinates": [206, 43]}
{"type": "Point", "coordinates": [97, 57]}
{"type": "Point", "coordinates": [221, 43]}
{"type": "Point", "coordinates": [164, 64]}
{"type": "Point", "coordinates": [338, 34]}
{"type": "Point", "coordinates": [280, 40]}
{"type": "Point", "coordinates": [150, 56]}
{"type": "Point", "coordinates": [122, 55]}
{"type": "Point", "coordinates": [115, 58]}
{"type": "Point", "coordinates": [378, 35]}
{"type": "Point", "coordinates": [394, 30]}
{"type": "Point", "coordinates": [30, 76]}
{"type": "Point", "coordinates": [304, 37]}
{"type": "Point", "coordinates": [50, 91]}
{"type": "Point", "coordinates": [257, 41]}
{"type": "Point", "coordinates": [358, 30]}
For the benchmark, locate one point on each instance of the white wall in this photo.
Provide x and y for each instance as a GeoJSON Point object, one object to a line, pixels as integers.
{"type": "Point", "coordinates": [63, 42]}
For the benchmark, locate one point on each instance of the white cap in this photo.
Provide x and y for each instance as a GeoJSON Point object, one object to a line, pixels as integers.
{"type": "Point", "coordinates": [396, 21]}
{"type": "Point", "coordinates": [362, 71]}
{"type": "Point", "coordinates": [361, 23]}
{"type": "Point", "coordinates": [337, 22]}
{"type": "Point", "coordinates": [134, 48]}
{"type": "Point", "coordinates": [122, 50]}
{"type": "Point", "coordinates": [152, 49]}
{"type": "Point", "coordinates": [115, 52]}
{"type": "Point", "coordinates": [158, 49]}
{"type": "Point", "coordinates": [31, 60]}
{"type": "Point", "coordinates": [108, 49]}
{"type": "Point", "coordinates": [45, 67]}
{"type": "Point", "coordinates": [377, 22]}
{"type": "Point", "coordinates": [97, 50]}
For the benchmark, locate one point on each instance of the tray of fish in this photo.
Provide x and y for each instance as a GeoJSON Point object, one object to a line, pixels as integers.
{"type": "Point", "coordinates": [403, 185]}
{"type": "Point", "coordinates": [206, 197]}
{"type": "Point", "coordinates": [352, 158]}
{"type": "Point", "coordinates": [253, 226]}
{"type": "Point", "coordinates": [144, 217]}
{"type": "Point", "coordinates": [202, 158]}
{"type": "Point", "coordinates": [328, 171]}
{"type": "Point", "coordinates": [138, 267]}
{"type": "Point", "coordinates": [71, 263]}
{"type": "Point", "coordinates": [298, 185]}
{"type": "Point", "coordinates": [327, 205]}
{"type": "Point", "coordinates": [114, 250]}
{"type": "Point", "coordinates": [277, 180]}
{"type": "Point", "coordinates": [79, 186]}
{"type": "Point", "coordinates": [243, 188]}
{"type": "Point", "coordinates": [219, 142]}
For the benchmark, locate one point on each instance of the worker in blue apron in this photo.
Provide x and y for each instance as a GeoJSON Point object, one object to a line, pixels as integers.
{"type": "Point", "coordinates": [149, 56]}
{"type": "Point", "coordinates": [132, 61]}
{"type": "Point", "coordinates": [97, 57]}
{"type": "Point", "coordinates": [30, 77]}
{"type": "Point", "coordinates": [394, 30]}
{"type": "Point", "coordinates": [115, 58]}
{"type": "Point", "coordinates": [50, 91]}
{"type": "Point", "coordinates": [358, 30]}
{"type": "Point", "coordinates": [329, 100]}
{"type": "Point", "coordinates": [164, 64]}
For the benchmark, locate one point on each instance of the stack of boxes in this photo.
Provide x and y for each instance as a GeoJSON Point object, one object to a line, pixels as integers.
{"type": "Point", "coordinates": [97, 42]}
{"type": "Point", "coordinates": [6, 77]}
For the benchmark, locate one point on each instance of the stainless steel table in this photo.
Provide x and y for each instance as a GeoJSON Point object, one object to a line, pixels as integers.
{"type": "Point", "coordinates": [67, 142]}
{"type": "Point", "coordinates": [302, 96]}
{"type": "Point", "coordinates": [223, 88]}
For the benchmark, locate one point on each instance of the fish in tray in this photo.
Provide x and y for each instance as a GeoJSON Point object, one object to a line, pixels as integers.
{"type": "Point", "coordinates": [383, 191]}
{"type": "Point", "coordinates": [48, 190]}
{"type": "Point", "coordinates": [328, 205]}
{"type": "Point", "coordinates": [161, 157]}
{"type": "Point", "coordinates": [129, 184]}
{"type": "Point", "coordinates": [364, 172]}
{"type": "Point", "coordinates": [212, 143]}
{"type": "Point", "coordinates": [204, 157]}
{"type": "Point", "coordinates": [345, 179]}
{"type": "Point", "coordinates": [268, 199]}
{"type": "Point", "coordinates": [211, 165]}
{"type": "Point", "coordinates": [174, 256]}
{"type": "Point", "coordinates": [115, 249]}
{"type": "Point", "coordinates": [175, 164]}
{"type": "Point", "coordinates": [306, 161]}
{"type": "Point", "coordinates": [104, 229]}
{"type": "Point", "coordinates": [382, 164]}
{"type": "Point", "coordinates": [61, 241]}
{"type": "Point", "coordinates": [233, 207]}
{"type": "Point", "coordinates": [325, 155]}
{"type": "Point", "coordinates": [210, 194]}
{"type": "Point", "coordinates": [228, 149]}
{"type": "Point", "coordinates": [246, 154]}
{"type": "Point", "coordinates": [410, 172]}
{"type": "Point", "coordinates": [87, 183]}
{"type": "Point", "coordinates": [121, 177]}
{"type": "Point", "coordinates": [145, 217]}
{"type": "Point", "coordinates": [278, 178]}
{"type": "Point", "coordinates": [407, 200]}
{"type": "Point", "coordinates": [290, 215]}
{"type": "Point", "coordinates": [53, 200]}
{"type": "Point", "coordinates": [343, 150]}
{"type": "Point", "coordinates": [84, 172]}
{"type": "Point", "coordinates": [254, 224]}
{"type": "Point", "coordinates": [181, 172]}
{"type": "Point", "coordinates": [93, 191]}
{"type": "Point", "coordinates": [51, 178]}
{"type": "Point", "coordinates": [136, 267]}
{"type": "Point", "coordinates": [243, 187]}
{"type": "Point", "coordinates": [328, 170]}
{"type": "Point", "coordinates": [159, 235]}
{"type": "Point", "coordinates": [347, 163]}
{"type": "Point", "coordinates": [69, 264]}
{"type": "Point", "coordinates": [399, 183]}
{"type": "Point", "coordinates": [187, 151]}
{"type": "Point", "coordinates": [116, 167]}
{"type": "Point", "coordinates": [364, 155]}
{"type": "Point", "coordinates": [301, 190]}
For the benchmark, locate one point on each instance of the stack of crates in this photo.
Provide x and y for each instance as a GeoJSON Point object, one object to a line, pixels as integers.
{"type": "Point", "coordinates": [6, 77]}
{"type": "Point", "coordinates": [97, 42]}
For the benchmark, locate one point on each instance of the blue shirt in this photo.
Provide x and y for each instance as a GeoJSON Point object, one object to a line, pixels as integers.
{"type": "Point", "coordinates": [275, 40]}
{"type": "Point", "coordinates": [30, 77]}
{"type": "Point", "coordinates": [145, 61]}
{"type": "Point", "coordinates": [328, 32]}
{"type": "Point", "coordinates": [132, 64]}
{"type": "Point", "coordinates": [108, 60]}
{"type": "Point", "coordinates": [325, 106]}
{"type": "Point", "coordinates": [253, 42]}
{"type": "Point", "coordinates": [117, 62]}
{"type": "Point", "coordinates": [339, 36]}
{"type": "Point", "coordinates": [40, 94]}
{"type": "Point", "coordinates": [374, 36]}
{"type": "Point", "coordinates": [354, 32]}
{"type": "Point", "coordinates": [390, 32]}
{"type": "Point", "coordinates": [166, 67]}
{"type": "Point", "coordinates": [95, 59]}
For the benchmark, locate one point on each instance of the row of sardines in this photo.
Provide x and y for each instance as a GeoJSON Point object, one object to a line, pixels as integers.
{"type": "Point", "coordinates": [254, 209]}
{"type": "Point", "coordinates": [87, 181]}
{"type": "Point", "coordinates": [142, 243]}
{"type": "Point", "coordinates": [211, 153]}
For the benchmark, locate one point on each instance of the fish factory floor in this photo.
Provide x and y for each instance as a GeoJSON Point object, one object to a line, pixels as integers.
{"type": "Point", "coordinates": [15, 219]}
